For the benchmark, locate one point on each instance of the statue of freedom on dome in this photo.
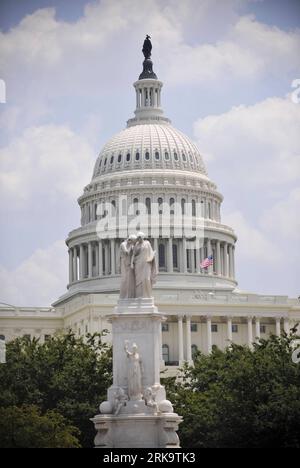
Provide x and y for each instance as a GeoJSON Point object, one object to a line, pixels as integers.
{"type": "Point", "coordinates": [147, 47]}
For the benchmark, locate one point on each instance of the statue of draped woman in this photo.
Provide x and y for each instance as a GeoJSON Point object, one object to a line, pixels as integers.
{"type": "Point", "coordinates": [144, 264]}
{"type": "Point", "coordinates": [134, 372]}
{"type": "Point", "coordinates": [127, 287]}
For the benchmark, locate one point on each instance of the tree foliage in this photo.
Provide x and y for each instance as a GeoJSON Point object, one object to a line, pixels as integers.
{"type": "Point", "coordinates": [240, 398]}
{"type": "Point", "coordinates": [66, 374]}
{"type": "Point", "coordinates": [26, 427]}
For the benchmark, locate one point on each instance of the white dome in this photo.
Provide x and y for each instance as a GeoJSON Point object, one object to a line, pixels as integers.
{"type": "Point", "coordinates": [149, 146]}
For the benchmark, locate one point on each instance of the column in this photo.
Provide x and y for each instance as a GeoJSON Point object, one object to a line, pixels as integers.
{"type": "Point", "coordinates": [233, 266]}
{"type": "Point", "coordinates": [75, 277]}
{"type": "Point", "coordinates": [218, 257]}
{"type": "Point", "coordinates": [278, 327]}
{"type": "Point", "coordinates": [162, 362]}
{"type": "Point", "coordinates": [183, 256]}
{"type": "Point", "coordinates": [81, 260]}
{"type": "Point", "coordinates": [230, 261]}
{"type": "Point", "coordinates": [106, 252]}
{"type": "Point", "coordinates": [209, 337]}
{"type": "Point", "coordinates": [198, 261]}
{"type": "Point", "coordinates": [225, 259]}
{"type": "Point", "coordinates": [209, 252]}
{"type": "Point", "coordinates": [180, 340]}
{"type": "Point", "coordinates": [250, 332]}
{"type": "Point", "coordinates": [113, 257]}
{"type": "Point", "coordinates": [257, 328]}
{"type": "Point", "coordinates": [188, 339]}
{"type": "Point", "coordinates": [170, 255]}
{"type": "Point", "coordinates": [70, 265]}
{"type": "Point", "coordinates": [90, 260]}
{"type": "Point", "coordinates": [286, 326]}
{"type": "Point", "coordinates": [100, 258]}
{"type": "Point", "coordinates": [229, 329]}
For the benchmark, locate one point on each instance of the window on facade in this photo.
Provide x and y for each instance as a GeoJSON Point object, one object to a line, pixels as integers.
{"type": "Point", "coordinates": [156, 155]}
{"type": "Point", "coordinates": [194, 327]}
{"type": "Point", "coordinates": [183, 206]}
{"type": "Point", "coordinates": [105, 161]}
{"type": "Point", "coordinates": [183, 157]}
{"type": "Point", "coordinates": [194, 351]}
{"type": "Point", "coordinates": [119, 158]}
{"type": "Point", "coordinates": [214, 328]}
{"type": "Point", "coordinates": [27, 336]}
{"type": "Point", "coordinates": [147, 155]}
{"type": "Point", "coordinates": [235, 328]}
{"type": "Point", "coordinates": [165, 353]}
{"type": "Point", "coordinates": [175, 156]}
{"type": "Point", "coordinates": [209, 210]}
{"type": "Point", "coordinates": [172, 202]}
{"type": "Point", "coordinates": [193, 208]}
{"type": "Point", "coordinates": [162, 256]}
{"type": "Point", "coordinates": [94, 257]}
{"type": "Point", "coordinates": [47, 337]}
{"type": "Point", "coordinates": [136, 202]}
{"type": "Point", "coordinates": [165, 327]}
{"type": "Point", "coordinates": [160, 202]}
{"type": "Point", "coordinates": [86, 329]}
{"type": "Point", "coordinates": [167, 157]}
{"type": "Point", "coordinates": [111, 160]}
{"type": "Point", "coordinates": [263, 328]}
{"type": "Point", "coordinates": [128, 157]}
{"type": "Point", "coordinates": [137, 156]}
{"type": "Point", "coordinates": [175, 256]}
{"type": "Point", "coordinates": [95, 211]}
{"type": "Point", "coordinates": [148, 205]}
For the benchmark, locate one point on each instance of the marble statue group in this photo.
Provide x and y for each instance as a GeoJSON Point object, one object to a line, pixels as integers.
{"type": "Point", "coordinates": [138, 267]}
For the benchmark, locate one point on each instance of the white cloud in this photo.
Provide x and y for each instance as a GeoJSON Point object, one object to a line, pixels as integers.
{"type": "Point", "coordinates": [253, 244]}
{"type": "Point", "coordinates": [283, 219]}
{"type": "Point", "coordinates": [261, 143]}
{"type": "Point", "coordinates": [49, 161]}
{"type": "Point", "coordinates": [37, 281]}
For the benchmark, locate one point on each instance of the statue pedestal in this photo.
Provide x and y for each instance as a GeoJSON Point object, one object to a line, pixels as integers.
{"type": "Point", "coordinates": [148, 421]}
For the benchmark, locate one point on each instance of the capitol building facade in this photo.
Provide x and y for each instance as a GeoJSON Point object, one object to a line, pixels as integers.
{"type": "Point", "coordinates": [151, 177]}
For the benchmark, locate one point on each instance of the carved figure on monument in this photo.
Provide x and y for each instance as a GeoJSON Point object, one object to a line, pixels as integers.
{"type": "Point", "coordinates": [149, 397]}
{"type": "Point", "coordinates": [147, 47]}
{"type": "Point", "coordinates": [144, 264]}
{"type": "Point", "coordinates": [120, 400]}
{"type": "Point", "coordinates": [134, 372]}
{"type": "Point", "coordinates": [127, 288]}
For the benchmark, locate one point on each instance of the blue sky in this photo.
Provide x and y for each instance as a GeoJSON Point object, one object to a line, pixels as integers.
{"type": "Point", "coordinates": [227, 68]}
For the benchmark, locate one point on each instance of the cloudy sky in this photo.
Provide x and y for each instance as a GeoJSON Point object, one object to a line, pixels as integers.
{"type": "Point", "coordinates": [227, 67]}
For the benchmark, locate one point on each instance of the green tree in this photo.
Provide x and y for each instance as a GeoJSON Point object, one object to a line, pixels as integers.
{"type": "Point", "coordinates": [66, 374]}
{"type": "Point", "coordinates": [240, 398]}
{"type": "Point", "coordinates": [26, 427]}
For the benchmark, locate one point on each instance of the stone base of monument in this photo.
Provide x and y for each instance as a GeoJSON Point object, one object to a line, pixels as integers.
{"type": "Point", "coordinates": [136, 413]}
{"type": "Point", "coordinates": [137, 430]}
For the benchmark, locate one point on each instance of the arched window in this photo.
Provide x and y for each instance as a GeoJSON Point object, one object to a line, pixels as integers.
{"type": "Point", "coordinates": [175, 256]}
{"type": "Point", "coordinates": [128, 157]}
{"type": "Point", "coordinates": [148, 205]}
{"type": "Point", "coordinates": [172, 202]}
{"type": "Point", "coordinates": [147, 155]}
{"type": "Point", "coordinates": [194, 351]}
{"type": "Point", "coordinates": [193, 208]}
{"type": "Point", "coordinates": [105, 161]}
{"type": "Point", "coordinates": [137, 156]}
{"type": "Point", "coordinates": [209, 210]}
{"type": "Point", "coordinates": [136, 203]}
{"type": "Point", "coordinates": [165, 352]}
{"type": "Point", "coordinates": [183, 206]}
{"type": "Point", "coordinates": [119, 158]}
{"type": "Point", "coordinates": [183, 157]}
{"type": "Point", "coordinates": [111, 160]}
{"type": "Point", "coordinates": [100, 163]}
{"type": "Point", "coordinates": [162, 256]}
{"type": "Point", "coordinates": [113, 208]}
{"type": "Point", "coordinates": [175, 156]}
{"type": "Point", "coordinates": [167, 157]}
{"type": "Point", "coordinates": [157, 155]}
{"type": "Point", "coordinates": [160, 202]}
{"type": "Point", "coordinates": [95, 211]}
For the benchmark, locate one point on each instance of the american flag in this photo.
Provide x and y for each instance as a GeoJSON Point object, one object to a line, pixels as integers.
{"type": "Point", "coordinates": [207, 262]}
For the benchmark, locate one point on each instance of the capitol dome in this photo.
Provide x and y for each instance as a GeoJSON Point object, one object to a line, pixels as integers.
{"type": "Point", "coordinates": [149, 146]}
{"type": "Point", "coordinates": [155, 166]}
